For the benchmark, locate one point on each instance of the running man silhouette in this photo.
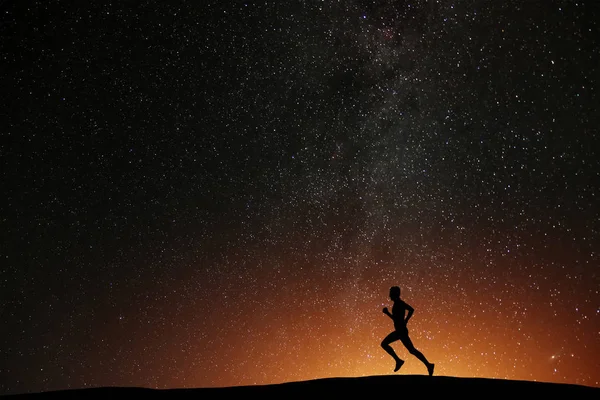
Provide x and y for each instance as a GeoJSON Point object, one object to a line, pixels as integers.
{"type": "Point", "coordinates": [401, 331]}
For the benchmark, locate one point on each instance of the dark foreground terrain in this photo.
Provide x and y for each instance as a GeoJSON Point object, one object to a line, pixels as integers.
{"type": "Point", "coordinates": [392, 385]}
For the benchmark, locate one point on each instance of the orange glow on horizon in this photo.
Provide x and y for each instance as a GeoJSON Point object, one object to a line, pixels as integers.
{"type": "Point", "coordinates": [316, 330]}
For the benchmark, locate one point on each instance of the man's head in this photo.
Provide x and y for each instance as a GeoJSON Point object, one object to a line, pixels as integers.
{"type": "Point", "coordinates": [394, 292]}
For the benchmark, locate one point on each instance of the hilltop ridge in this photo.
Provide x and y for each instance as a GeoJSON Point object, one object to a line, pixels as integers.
{"type": "Point", "coordinates": [384, 384]}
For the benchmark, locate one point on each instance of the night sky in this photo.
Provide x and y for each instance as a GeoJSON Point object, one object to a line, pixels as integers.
{"type": "Point", "coordinates": [198, 195]}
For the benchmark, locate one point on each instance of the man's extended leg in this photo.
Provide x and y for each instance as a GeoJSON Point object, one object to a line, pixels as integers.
{"type": "Point", "coordinates": [412, 350]}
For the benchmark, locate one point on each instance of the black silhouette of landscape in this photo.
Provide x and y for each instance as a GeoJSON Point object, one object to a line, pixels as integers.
{"type": "Point", "coordinates": [394, 385]}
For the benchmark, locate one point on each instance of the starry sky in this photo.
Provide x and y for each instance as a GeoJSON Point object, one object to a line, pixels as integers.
{"type": "Point", "coordinates": [217, 193]}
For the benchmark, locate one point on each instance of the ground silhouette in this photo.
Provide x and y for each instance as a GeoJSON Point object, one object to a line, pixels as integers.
{"type": "Point", "coordinates": [394, 385]}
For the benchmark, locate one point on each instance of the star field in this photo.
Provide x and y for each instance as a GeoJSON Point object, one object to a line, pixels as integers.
{"type": "Point", "coordinates": [222, 193]}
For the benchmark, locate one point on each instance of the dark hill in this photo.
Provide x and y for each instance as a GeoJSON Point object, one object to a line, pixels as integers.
{"type": "Point", "coordinates": [394, 385]}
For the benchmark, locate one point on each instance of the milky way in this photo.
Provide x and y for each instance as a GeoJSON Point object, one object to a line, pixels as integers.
{"type": "Point", "coordinates": [222, 194]}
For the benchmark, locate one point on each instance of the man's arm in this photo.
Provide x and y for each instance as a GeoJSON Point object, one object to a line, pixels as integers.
{"type": "Point", "coordinates": [410, 312]}
{"type": "Point", "coordinates": [386, 312]}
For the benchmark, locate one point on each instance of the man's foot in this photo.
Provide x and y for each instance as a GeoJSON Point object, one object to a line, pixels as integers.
{"type": "Point", "coordinates": [398, 365]}
{"type": "Point", "coordinates": [430, 369]}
